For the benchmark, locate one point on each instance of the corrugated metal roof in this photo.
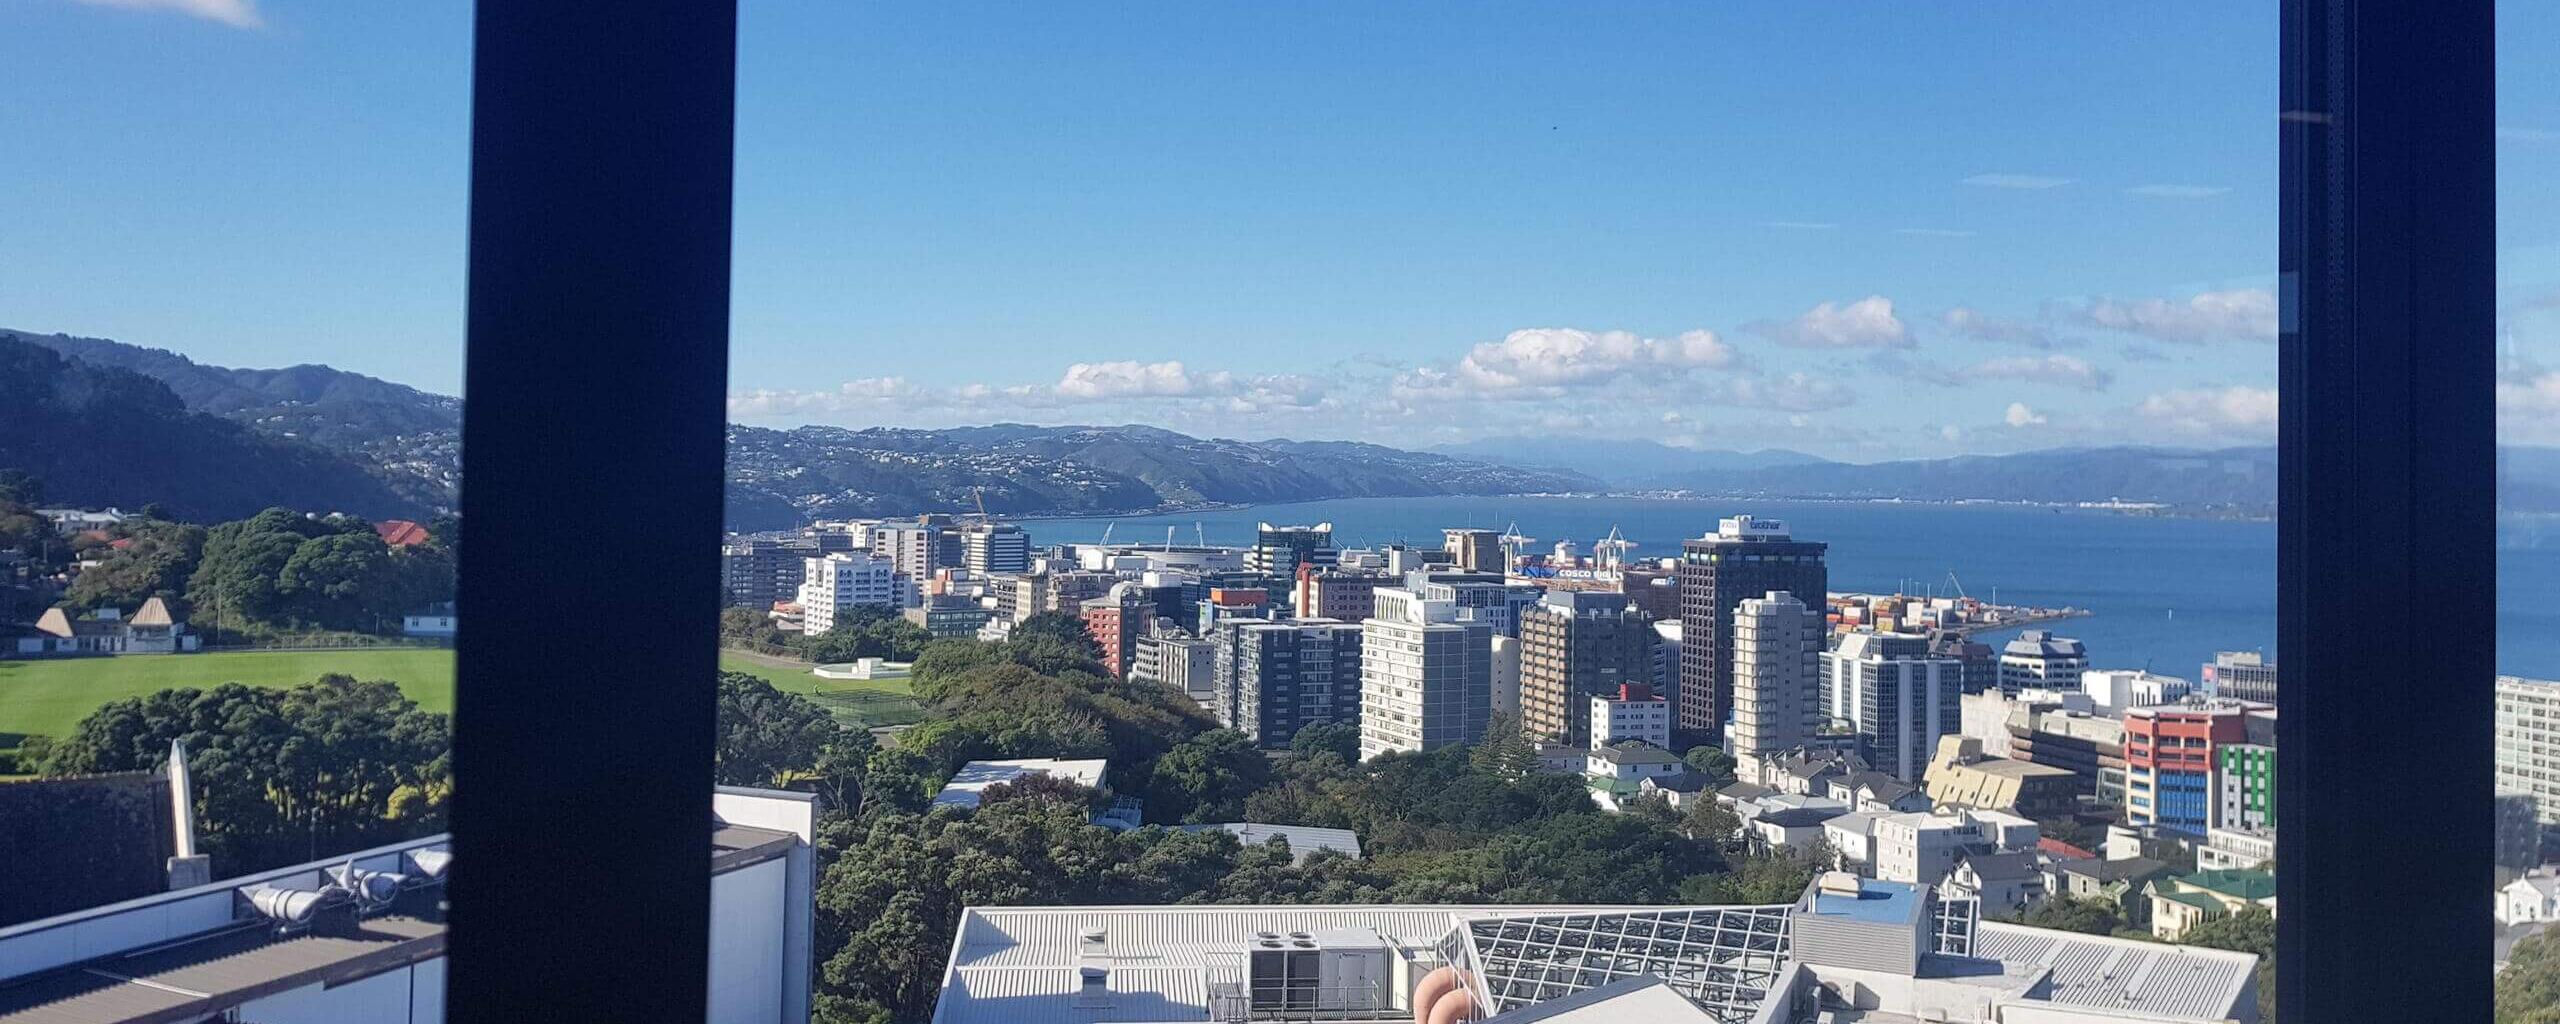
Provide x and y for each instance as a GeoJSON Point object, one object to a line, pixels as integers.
{"type": "Point", "coordinates": [192, 979]}
{"type": "Point", "coordinates": [2125, 974]}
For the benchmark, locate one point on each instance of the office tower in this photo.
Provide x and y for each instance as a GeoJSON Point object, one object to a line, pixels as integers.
{"type": "Point", "coordinates": [1745, 558]}
{"type": "Point", "coordinates": [1652, 588]}
{"type": "Point", "coordinates": [2528, 754]}
{"type": "Point", "coordinates": [1575, 645]}
{"type": "Point", "coordinates": [913, 548]}
{"type": "Point", "coordinates": [1777, 650]}
{"type": "Point", "coordinates": [1478, 597]}
{"type": "Point", "coordinates": [1341, 595]}
{"type": "Point", "coordinates": [1506, 676]}
{"type": "Point", "coordinates": [1895, 696]}
{"type": "Point", "coordinates": [2241, 675]}
{"type": "Point", "coordinates": [1114, 621]}
{"type": "Point", "coordinates": [1635, 712]}
{"type": "Point", "coordinates": [994, 547]}
{"type": "Point", "coordinates": [2038, 660]}
{"type": "Point", "coordinates": [1175, 661]}
{"type": "Point", "coordinates": [1475, 550]}
{"type": "Point", "coordinates": [2171, 756]}
{"type": "Point", "coordinates": [1273, 678]}
{"type": "Point", "coordinates": [1977, 664]}
{"type": "Point", "coordinates": [842, 580]}
{"type": "Point", "coordinates": [1280, 550]}
{"type": "Point", "coordinates": [1426, 678]}
{"type": "Point", "coordinates": [756, 572]}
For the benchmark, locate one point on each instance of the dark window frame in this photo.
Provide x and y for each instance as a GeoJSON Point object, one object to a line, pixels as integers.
{"type": "Point", "coordinates": [601, 146]}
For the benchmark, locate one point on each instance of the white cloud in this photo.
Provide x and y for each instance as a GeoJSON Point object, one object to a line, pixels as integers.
{"type": "Point", "coordinates": [1549, 357]}
{"type": "Point", "coordinates": [2245, 313]}
{"type": "Point", "coordinates": [2019, 415]}
{"type": "Point", "coordinates": [1868, 322]}
{"type": "Point", "coordinates": [1129, 378]}
{"type": "Point", "coordinates": [235, 13]}
{"type": "Point", "coordinates": [1981, 326]}
{"type": "Point", "coordinates": [2213, 412]}
{"type": "Point", "coordinates": [2037, 182]}
{"type": "Point", "coordinates": [2051, 369]}
{"type": "Point", "coordinates": [2176, 191]}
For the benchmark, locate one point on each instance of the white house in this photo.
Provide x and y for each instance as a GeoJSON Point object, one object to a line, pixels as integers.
{"type": "Point", "coordinates": [2532, 898]}
{"type": "Point", "coordinates": [2004, 882]}
{"type": "Point", "coordinates": [435, 623]}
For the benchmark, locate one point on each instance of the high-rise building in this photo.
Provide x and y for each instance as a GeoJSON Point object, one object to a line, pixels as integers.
{"type": "Point", "coordinates": [1895, 696]}
{"type": "Point", "coordinates": [756, 572]}
{"type": "Point", "coordinates": [913, 548]}
{"type": "Point", "coordinates": [1341, 595]}
{"type": "Point", "coordinates": [1279, 550]}
{"type": "Point", "coordinates": [1576, 645]}
{"type": "Point", "coordinates": [1273, 678]}
{"type": "Point", "coordinates": [2172, 754]}
{"type": "Point", "coordinates": [1745, 558]}
{"type": "Point", "coordinates": [2528, 753]}
{"type": "Point", "coordinates": [2241, 675]}
{"type": "Point", "coordinates": [2038, 660]}
{"type": "Point", "coordinates": [1653, 588]}
{"type": "Point", "coordinates": [1175, 661]}
{"type": "Point", "coordinates": [1426, 677]}
{"type": "Point", "coordinates": [1978, 666]}
{"type": "Point", "coordinates": [1475, 550]}
{"type": "Point", "coordinates": [994, 547]}
{"type": "Point", "coordinates": [1777, 647]}
{"type": "Point", "coordinates": [842, 580]}
{"type": "Point", "coordinates": [1484, 597]}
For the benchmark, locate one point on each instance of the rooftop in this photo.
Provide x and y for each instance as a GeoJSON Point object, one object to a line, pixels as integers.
{"type": "Point", "coordinates": [973, 778]}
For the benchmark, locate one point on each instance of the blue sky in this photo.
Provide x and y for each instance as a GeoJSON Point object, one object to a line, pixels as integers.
{"type": "Point", "coordinates": [1864, 230]}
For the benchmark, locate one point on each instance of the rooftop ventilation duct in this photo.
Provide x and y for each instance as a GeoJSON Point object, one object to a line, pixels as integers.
{"type": "Point", "coordinates": [292, 908]}
{"type": "Point", "coordinates": [369, 888]}
{"type": "Point", "coordinates": [431, 863]}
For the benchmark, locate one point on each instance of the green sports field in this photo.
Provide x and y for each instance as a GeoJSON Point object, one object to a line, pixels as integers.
{"type": "Point", "coordinates": [50, 697]}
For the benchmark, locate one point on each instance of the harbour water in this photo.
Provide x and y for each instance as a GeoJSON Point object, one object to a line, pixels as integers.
{"type": "Point", "coordinates": [2165, 593]}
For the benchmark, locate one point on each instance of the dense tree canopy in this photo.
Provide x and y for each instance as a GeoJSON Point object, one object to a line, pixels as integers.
{"type": "Point", "coordinates": [282, 776]}
{"type": "Point", "coordinates": [281, 571]}
{"type": "Point", "coordinates": [769, 738]}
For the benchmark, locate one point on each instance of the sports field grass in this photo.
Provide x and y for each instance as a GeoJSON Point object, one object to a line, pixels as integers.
{"type": "Point", "coordinates": [50, 697]}
{"type": "Point", "coordinates": [862, 702]}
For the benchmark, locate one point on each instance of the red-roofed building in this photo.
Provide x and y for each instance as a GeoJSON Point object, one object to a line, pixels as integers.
{"type": "Point", "coordinates": [400, 533]}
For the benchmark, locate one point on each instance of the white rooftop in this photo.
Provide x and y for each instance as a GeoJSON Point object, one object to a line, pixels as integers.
{"type": "Point", "coordinates": [1304, 840]}
{"type": "Point", "coordinates": [974, 778]}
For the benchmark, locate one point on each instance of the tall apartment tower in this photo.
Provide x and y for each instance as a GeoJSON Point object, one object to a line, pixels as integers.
{"type": "Point", "coordinates": [1777, 652]}
{"type": "Point", "coordinates": [2528, 743]}
{"type": "Point", "coordinates": [1426, 678]}
{"type": "Point", "coordinates": [1897, 697]}
{"type": "Point", "coordinates": [1273, 678]}
{"type": "Point", "coordinates": [914, 549]}
{"type": "Point", "coordinates": [1280, 550]}
{"type": "Point", "coordinates": [1746, 557]}
{"type": "Point", "coordinates": [1576, 645]}
{"type": "Point", "coordinates": [2241, 675]}
{"type": "Point", "coordinates": [2038, 660]}
{"type": "Point", "coordinates": [1475, 550]}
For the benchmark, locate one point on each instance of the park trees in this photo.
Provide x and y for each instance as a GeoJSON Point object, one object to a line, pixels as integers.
{"type": "Point", "coordinates": [767, 737]}
{"type": "Point", "coordinates": [2089, 915]}
{"type": "Point", "coordinates": [1206, 778]}
{"type": "Point", "coordinates": [154, 560]}
{"type": "Point", "coordinates": [282, 775]}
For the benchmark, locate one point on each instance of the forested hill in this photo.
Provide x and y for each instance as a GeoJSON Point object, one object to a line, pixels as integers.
{"type": "Point", "coordinates": [778, 478]}
{"type": "Point", "coordinates": [103, 436]}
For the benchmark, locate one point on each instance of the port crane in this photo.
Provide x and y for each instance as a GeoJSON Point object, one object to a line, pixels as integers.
{"type": "Point", "coordinates": [1609, 555]}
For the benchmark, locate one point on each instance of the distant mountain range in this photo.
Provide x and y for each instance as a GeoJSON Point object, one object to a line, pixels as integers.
{"type": "Point", "coordinates": [1621, 462]}
{"type": "Point", "coordinates": [110, 423]}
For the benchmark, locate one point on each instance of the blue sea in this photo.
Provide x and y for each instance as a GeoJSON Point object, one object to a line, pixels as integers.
{"type": "Point", "coordinates": [2165, 593]}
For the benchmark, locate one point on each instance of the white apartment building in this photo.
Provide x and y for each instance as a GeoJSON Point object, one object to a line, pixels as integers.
{"type": "Point", "coordinates": [1897, 697]}
{"type": "Point", "coordinates": [1631, 714]}
{"type": "Point", "coordinates": [1426, 679]}
{"type": "Point", "coordinates": [842, 580]}
{"type": "Point", "coordinates": [1921, 848]}
{"type": "Point", "coordinates": [1777, 647]}
{"type": "Point", "coordinates": [995, 547]}
{"type": "Point", "coordinates": [915, 550]}
{"type": "Point", "coordinates": [2528, 754]}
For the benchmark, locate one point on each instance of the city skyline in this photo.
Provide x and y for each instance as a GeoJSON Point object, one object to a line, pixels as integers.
{"type": "Point", "coordinates": [1966, 232]}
